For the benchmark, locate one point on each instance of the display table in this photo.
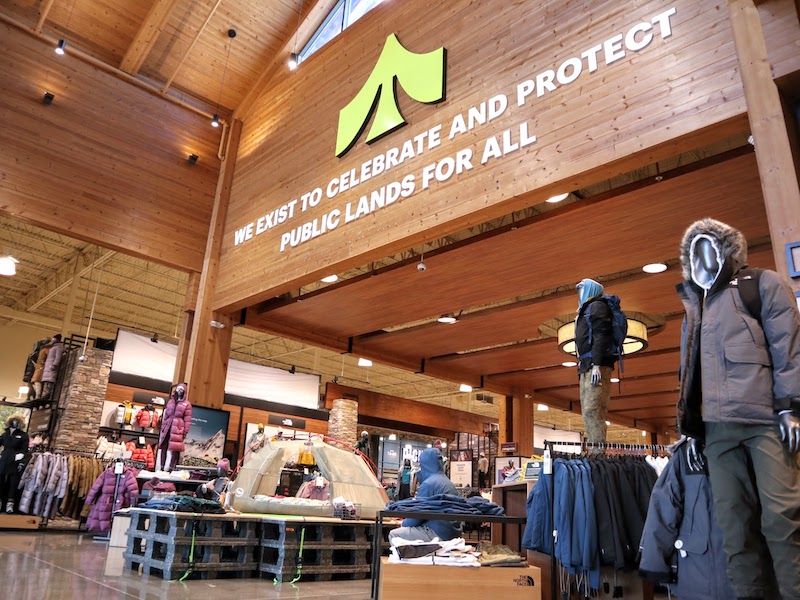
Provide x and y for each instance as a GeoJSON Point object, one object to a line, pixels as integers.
{"type": "Point", "coordinates": [377, 540]}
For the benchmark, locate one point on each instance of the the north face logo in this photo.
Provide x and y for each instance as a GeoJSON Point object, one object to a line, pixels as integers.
{"type": "Point", "coordinates": [421, 76]}
{"type": "Point", "coordinates": [525, 580]}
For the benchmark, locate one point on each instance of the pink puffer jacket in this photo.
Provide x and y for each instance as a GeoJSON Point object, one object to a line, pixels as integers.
{"type": "Point", "coordinates": [175, 423]}
{"type": "Point", "coordinates": [102, 497]}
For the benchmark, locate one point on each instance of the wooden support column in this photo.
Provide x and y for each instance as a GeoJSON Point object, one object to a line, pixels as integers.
{"type": "Point", "coordinates": [185, 333]}
{"type": "Point", "coordinates": [209, 347]}
{"type": "Point", "coordinates": [522, 427]}
{"type": "Point", "coordinates": [768, 124]}
{"type": "Point", "coordinates": [505, 419]}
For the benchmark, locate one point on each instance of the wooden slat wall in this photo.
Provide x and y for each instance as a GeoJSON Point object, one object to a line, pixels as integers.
{"type": "Point", "coordinates": [412, 412]}
{"type": "Point", "coordinates": [782, 34]}
{"type": "Point", "coordinates": [674, 95]}
{"type": "Point", "coordinates": [106, 162]}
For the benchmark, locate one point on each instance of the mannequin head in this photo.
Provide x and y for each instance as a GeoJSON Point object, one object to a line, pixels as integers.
{"type": "Point", "coordinates": [223, 467]}
{"type": "Point", "coordinates": [407, 462]}
{"type": "Point", "coordinates": [15, 421]}
{"type": "Point", "coordinates": [180, 391]}
{"type": "Point", "coordinates": [56, 338]}
{"type": "Point", "coordinates": [705, 260]}
{"type": "Point", "coordinates": [708, 247]}
{"type": "Point", "coordinates": [365, 436]}
{"type": "Point", "coordinates": [588, 289]}
{"type": "Point", "coordinates": [260, 428]}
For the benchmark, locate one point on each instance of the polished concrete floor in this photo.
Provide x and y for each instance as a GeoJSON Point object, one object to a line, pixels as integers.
{"type": "Point", "coordinates": [50, 566]}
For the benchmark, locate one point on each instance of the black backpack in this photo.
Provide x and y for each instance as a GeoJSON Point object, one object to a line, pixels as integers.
{"type": "Point", "coordinates": [748, 281]}
{"type": "Point", "coordinates": [619, 327]}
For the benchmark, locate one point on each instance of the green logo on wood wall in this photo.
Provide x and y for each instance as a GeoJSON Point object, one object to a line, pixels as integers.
{"type": "Point", "coordinates": [420, 75]}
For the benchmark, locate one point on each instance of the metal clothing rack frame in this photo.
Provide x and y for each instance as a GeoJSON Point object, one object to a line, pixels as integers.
{"type": "Point", "coordinates": [550, 451]}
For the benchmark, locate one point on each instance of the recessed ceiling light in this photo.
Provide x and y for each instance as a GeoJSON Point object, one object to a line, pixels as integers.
{"type": "Point", "coordinates": [615, 380]}
{"type": "Point", "coordinates": [542, 407]}
{"type": "Point", "coordinates": [364, 362]}
{"type": "Point", "coordinates": [569, 363]}
{"type": "Point", "coordinates": [608, 423]}
{"type": "Point", "coordinates": [330, 279]}
{"type": "Point", "coordinates": [8, 265]}
{"type": "Point", "coordinates": [557, 198]}
{"type": "Point", "coordinates": [654, 268]}
{"type": "Point", "coordinates": [464, 388]}
{"type": "Point", "coordinates": [447, 318]}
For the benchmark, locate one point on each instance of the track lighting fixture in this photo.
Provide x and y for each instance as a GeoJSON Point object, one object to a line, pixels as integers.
{"type": "Point", "coordinates": [62, 44]}
{"type": "Point", "coordinates": [217, 325]}
{"type": "Point", "coordinates": [448, 318]}
{"type": "Point", "coordinates": [48, 98]}
{"type": "Point", "coordinates": [293, 370]}
{"type": "Point", "coordinates": [335, 379]}
{"type": "Point", "coordinates": [294, 60]}
{"type": "Point", "coordinates": [154, 339]}
{"type": "Point", "coordinates": [215, 120]}
{"type": "Point", "coordinates": [192, 160]}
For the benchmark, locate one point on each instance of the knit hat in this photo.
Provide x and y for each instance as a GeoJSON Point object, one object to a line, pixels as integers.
{"type": "Point", "coordinates": [224, 464]}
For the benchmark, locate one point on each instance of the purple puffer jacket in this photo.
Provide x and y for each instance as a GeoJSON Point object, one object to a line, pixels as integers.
{"type": "Point", "coordinates": [101, 496]}
{"type": "Point", "coordinates": [175, 422]}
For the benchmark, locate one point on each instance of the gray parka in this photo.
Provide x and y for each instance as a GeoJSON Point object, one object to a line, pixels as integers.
{"type": "Point", "coordinates": [733, 369]}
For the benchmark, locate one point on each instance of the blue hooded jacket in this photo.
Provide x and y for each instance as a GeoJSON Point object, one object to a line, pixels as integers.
{"type": "Point", "coordinates": [434, 482]}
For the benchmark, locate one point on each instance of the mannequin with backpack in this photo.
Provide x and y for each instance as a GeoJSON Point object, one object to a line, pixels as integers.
{"type": "Point", "coordinates": [600, 330]}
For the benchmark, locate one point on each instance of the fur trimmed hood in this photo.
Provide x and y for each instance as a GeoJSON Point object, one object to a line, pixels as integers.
{"type": "Point", "coordinates": [18, 417]}
{"type": "Point", "coordinates": [732, 244]}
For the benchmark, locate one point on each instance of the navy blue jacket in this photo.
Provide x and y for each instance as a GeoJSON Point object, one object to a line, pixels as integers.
{"type": "Point", "coordinates": [682, 512]}
{"type": "Point", "coordinates": [539, 526]}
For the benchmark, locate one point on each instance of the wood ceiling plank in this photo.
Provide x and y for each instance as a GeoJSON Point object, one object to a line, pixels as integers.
{"type": "Point", "coordinates": [145, 38]}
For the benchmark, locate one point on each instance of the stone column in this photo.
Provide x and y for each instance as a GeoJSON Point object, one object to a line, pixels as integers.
{"type": "Point", "coordinates": [343, 421]}
{"type": "Point", "coordinates": [81, 401]}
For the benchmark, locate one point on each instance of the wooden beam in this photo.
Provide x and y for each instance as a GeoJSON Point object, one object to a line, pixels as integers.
{"type": "Point", "coordinates": [43, 15]}
{"type": "Point", "coordinates": [187, 322]}
{"type": "Point", "coordinates": [776, 165]}
{"type": "Point", "coordinates": [311, 18]}
{"type": "Point", "coordinates": [522, 407]}
{"type": "Point", "coordinates": [146, 37]}
{"type": "Point", "coordinates": [210, 346]}
{"type": "Point", "coordinates": [191, 46]}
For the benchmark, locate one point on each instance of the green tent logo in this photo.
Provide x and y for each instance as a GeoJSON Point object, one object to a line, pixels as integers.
{"type": "Point", "coordinates": [420, 75]}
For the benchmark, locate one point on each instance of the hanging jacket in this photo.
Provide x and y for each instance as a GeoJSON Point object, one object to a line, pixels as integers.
{"type": "Point", "coordinates": [175, 424]}
{"type": "Point", "coordinates": [146, 417]}
{"type": "Point", "coordinates": [41, 359]}
{"type": "Point", "coordinates": [52, 362]}
{"type": "Point", "coordinates": [101, 496]}
{"type": "Point", "coordinates": [144, 454]}
{"type": "Point", "coordinates": [30, 364]}
{"type": "Point", "coordinates": [601, 346]}
{"type": "Point", "coordinates": [733, 368]}
{"type": "Point", "coordinates": [681, 514]}
{"type": "Point", "coordinates": [538, 533]}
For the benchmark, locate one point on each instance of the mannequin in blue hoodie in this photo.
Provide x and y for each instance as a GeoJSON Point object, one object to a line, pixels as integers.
{"type": "Point", "coordinates": [433, 482]}
{"type": "Point", "coordinates": [596, 357]}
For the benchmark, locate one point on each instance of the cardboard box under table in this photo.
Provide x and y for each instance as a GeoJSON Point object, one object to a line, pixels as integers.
{"type": "Point", "coordinates": [400, 582]}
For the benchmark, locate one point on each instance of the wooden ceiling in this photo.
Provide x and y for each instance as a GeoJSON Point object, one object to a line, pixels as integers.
{"type": "Point", "coordinates": [181, 47]}
{"type": "Point", "coordinates": [507, 283]}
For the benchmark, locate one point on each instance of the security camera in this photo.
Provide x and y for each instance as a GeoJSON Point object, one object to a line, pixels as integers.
{"type": "Point", "coordinates": [421, 266]}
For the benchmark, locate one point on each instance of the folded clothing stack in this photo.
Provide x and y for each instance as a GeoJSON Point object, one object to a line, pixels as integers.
{"type": "Point", "coordinates": [452, 553]}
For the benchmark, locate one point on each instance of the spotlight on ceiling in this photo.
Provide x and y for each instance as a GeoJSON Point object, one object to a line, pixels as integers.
{"type": "Point", "coordinates": [447, 318]}
{"type": "Point", "coordinates": [335, 379]}
{"type": "Point", "coordinates": [557, 198]}
{"type": "Point", "coordinates": [294, 60]}
{"type": "Point", "coordinates": [330, 279]}
{"type": "Point", "coordinates": [569, 363]}
{"type": "Point", "coordinates": [293, 370]}
{"type": "Point", "coordinates": [608, 423]}
{"type": "Point", "coordinates": [364, 362]}
{"type": "Point", "coordinates": [48, 98]}
{"type": "Point", "coordinates": [644, 434]}
{"type": "Point", "coordinates": [192, 160]}
{"type": "Point", "coordinates": [154, 339]}
{"type": "Point", "coordinates": [8, 265]}
{"type": "Point", "coordinates": [217, 325]}
{"type": "Point", "coordinates": [215, 120]}
{"type": "Point", "coordinates": [464, 388]}
{"type": "Point", "coordinates": [62, 44]}
{"type": "Point", "coordinates": [542, 407]}
{"type": "Point", "coordinates": [654, 268]}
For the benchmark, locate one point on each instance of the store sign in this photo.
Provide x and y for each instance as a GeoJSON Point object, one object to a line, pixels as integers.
{"type": "Point", "coordinates": [316, 211]}
{"type": "Point", "coordinates": [286, 422]}
{"type": "Point", "coordinates": [420, 75]}
{"type": "Point", "coordinates": [508, 447]}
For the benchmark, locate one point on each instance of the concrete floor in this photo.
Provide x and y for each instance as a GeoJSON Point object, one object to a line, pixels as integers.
{"type": "Point", "coordinates": [58, 566]}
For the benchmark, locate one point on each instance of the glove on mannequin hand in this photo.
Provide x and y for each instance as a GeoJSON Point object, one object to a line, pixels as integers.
{"type": "Point", "coordinates": [694, 455]}
{"type": "Point", "coordinates": [595, 376]}
{"type": "Point", "coordinates": [790, 429]}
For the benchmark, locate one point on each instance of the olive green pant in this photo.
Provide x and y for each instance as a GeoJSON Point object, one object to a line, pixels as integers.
{"type": "Point", "coordinates": [594, 404]}
{"type": "Point", "coordinates": [756, 487]}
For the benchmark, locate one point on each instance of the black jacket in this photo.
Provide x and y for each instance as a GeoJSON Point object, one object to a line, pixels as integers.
{"type": "Point", "coordinates": [30, 366]}
{"type": "Point", "coordinates": [602, 342]}
{"type": "Point", "coordinates": [13, 444]}
{"type": "Point", "coordinates": [682, 511]}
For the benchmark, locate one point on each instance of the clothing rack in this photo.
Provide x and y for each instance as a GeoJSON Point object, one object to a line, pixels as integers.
{"type": "Point", "coordinates": [549, 446]}
{"type": "Point", "coordinates": [83, 453]}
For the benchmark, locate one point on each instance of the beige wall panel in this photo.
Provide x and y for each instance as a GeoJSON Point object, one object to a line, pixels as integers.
{"type": "Point", "coordinates": [675, 94]}
{"type": "Point", "coordinates": [106, 162]}
{"type": "Point", "coordinates": [782, 34]}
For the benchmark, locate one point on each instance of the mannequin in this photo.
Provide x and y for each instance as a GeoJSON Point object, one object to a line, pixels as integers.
{"type": "Point", "coordinates": [15, 448]}
{"type": "Point", "coordinates": [363, 444]}
{"type": "Point", "coordinates": [596, 358]}
{"type": "Point", "coordinates": [483, 471]}
{"type": "Point", "coordinates": [38, 369]}
{"type": "Point", "coordinates": [52, 362]}
{"type": "Point", "coordinates": [215, 489]}
{"type": "Point", "coordinates": [175, 424]}
{"type": "Point", "coordinates": [740, 402]}
{"type": "Point", "coordinates": [256, 441]}
{"type": "Point", "coordinates": [30, 366]}
{"type": "Point", "coordinates": [404, 478]}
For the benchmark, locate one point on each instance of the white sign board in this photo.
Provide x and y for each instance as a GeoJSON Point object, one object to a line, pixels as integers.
{"type": "Point", "coordinates": [461, 473]}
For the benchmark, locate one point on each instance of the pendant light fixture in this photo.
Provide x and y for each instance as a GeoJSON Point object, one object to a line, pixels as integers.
{"type": "Point", "coordinates": [294, 57]}
{"type": "Point", "coordinates": [60, 48]}
{"type": "Point", "coordinates": [231, 35]}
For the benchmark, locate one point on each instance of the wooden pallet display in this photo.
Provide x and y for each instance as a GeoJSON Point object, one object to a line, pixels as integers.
{"type": "Point", "coordinates": [160, 542]}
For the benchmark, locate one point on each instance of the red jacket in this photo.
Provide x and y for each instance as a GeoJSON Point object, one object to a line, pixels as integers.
{"type": "Point", "coordinates": [144, 455]}
{"type": "Point", "coordinates": [147, 418]}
